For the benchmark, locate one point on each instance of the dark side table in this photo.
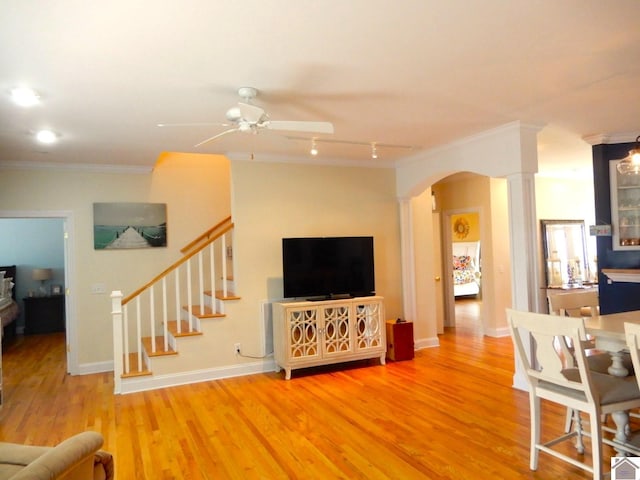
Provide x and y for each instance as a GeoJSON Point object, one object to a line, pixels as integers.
{"type": "Point", "coordinates": [44, 314]}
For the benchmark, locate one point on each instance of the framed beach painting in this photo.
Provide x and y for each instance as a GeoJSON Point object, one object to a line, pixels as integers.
{"type": "Point", "coordinates": [129, 225]}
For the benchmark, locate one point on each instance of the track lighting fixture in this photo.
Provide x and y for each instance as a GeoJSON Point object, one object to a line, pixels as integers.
{"type": "Point", "coordinates": [630, 165]}
{"type": "Point", "coordinates": [374, 146]}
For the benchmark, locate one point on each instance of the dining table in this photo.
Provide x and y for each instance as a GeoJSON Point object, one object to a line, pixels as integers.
{"type": "Point", "coordinates": [609, 335]}
{"type": "Point", "coordinates": [608, 331]}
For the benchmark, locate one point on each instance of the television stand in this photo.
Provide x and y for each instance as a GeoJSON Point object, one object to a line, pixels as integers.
{"type": "Point", "coordinates": [313, 333]}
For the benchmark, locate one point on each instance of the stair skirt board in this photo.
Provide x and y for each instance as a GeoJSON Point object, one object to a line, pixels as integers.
{"type": "Point", "coordinates": [153, 382]}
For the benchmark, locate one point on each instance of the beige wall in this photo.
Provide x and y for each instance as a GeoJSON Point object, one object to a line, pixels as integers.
{"type": "Point", "coordinates": [276, 200]}
{"type": "Point", "coordinates": [196, 191]}
{"type": "Point", "coordinates": [566, 199]}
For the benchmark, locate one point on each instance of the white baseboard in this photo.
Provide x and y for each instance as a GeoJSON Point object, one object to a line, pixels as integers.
{"type": "Point", "coordinates": [498, 332]}
{"type": "Point", "coordinates": [426, 343]}
{"type": "Point", "coordinates": [152, 382]}
{"type": "Point", "coordinates": [98, 367]}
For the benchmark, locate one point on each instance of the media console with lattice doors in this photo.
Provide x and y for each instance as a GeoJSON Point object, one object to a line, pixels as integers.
{"type": "Point", "coordinates": [312, 333]}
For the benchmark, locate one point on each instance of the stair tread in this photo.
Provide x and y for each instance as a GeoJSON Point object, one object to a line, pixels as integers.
{"type": "Point", "coordinates": [220, 295]}
{"type": "Point", "coordinates": [203, 312]}
{"type": "Point", "coordinates": [160, 351]}
{"type": "Point", "coordinates": [133, 367]}
{"type": "Point", "coordinates": [172, 326]}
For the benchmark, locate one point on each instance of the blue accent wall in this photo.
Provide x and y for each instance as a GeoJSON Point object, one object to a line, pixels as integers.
{"type": "Point", "coordinates": [617, 296]}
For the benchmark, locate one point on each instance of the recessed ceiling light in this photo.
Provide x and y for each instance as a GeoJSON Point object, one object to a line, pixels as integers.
{"type": "Point", "coordinates": [46, 136]}
{"type": "Point", "coordinates": [25, 97]}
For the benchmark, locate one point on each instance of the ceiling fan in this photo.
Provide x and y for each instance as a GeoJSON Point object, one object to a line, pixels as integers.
{"type": "Point", "coordinates": [249, 118]}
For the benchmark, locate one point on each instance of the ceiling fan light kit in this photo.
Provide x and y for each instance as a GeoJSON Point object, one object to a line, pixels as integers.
{"type": "Point", "coordinates": [630, 165]}
{"type": "Point", "coordinates": [245, 117]}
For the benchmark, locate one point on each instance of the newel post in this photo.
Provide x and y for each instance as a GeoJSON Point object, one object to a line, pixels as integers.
{"type": "Point", "coordinates": [116, 314]}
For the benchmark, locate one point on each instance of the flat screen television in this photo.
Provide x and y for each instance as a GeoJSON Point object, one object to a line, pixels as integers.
{"type": "Point", "coordinates": [328, 267]}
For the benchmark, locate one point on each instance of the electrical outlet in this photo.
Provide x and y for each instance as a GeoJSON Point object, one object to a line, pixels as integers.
{"type": "Point", "coordinates": [236, 348]}
{"type": "Point", "coordinates": [98, 288]}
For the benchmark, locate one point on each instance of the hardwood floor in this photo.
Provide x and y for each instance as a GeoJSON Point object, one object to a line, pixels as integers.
{"type": "Point", "coordinates": [450, 413]}
{"type": "Point", "coordinates": [467, 312]}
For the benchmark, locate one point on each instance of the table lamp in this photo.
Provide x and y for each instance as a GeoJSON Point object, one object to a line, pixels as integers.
{"type": "Point", "coordinates": [42, 274]}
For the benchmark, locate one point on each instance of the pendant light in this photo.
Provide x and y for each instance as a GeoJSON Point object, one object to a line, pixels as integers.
{"type": "Point", "coordinates": [630, 165]}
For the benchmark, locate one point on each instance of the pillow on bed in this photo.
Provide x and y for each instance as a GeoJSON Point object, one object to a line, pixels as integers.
{"type": "Point", "coordinates": [6, 287]}
{"type": "Point", "coordinates": [462, 262]}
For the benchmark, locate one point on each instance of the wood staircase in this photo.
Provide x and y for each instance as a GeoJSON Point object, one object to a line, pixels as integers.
{"type": "Point", "coordinates": [198, 297]}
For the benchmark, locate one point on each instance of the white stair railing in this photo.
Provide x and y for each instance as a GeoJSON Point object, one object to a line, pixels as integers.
{"type": "Point", "coordinates": [147, 304]}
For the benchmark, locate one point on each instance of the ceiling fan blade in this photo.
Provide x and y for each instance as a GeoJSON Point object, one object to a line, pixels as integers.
{"type": "Point", "coordinates": [295, 126]}
{"type": "Point", "coordinates": [196, 124]}
{"type": "Point", "coordinates": [215, 137]}
{"type": "Point", "coordinates": [250, 113]}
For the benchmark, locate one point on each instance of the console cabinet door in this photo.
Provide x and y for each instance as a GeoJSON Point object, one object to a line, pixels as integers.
{"type": "Point", "coordinates": [369, 326]}
{"type": "Point", "coordinates": [303, 334]}
{"type": "Point", "coordinates": [336, 331]}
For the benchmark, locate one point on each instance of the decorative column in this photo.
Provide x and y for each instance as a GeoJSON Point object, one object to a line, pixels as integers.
{"type": "Point", "coordinates": [524, 252]}
{"type": "Point", "coordinates": [407, 256]}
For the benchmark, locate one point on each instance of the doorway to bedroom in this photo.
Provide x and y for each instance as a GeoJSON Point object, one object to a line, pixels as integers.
{"type": "Point", "coordinates": [37, 243]}
{"type": "Point", "coordinates": [462, 237]}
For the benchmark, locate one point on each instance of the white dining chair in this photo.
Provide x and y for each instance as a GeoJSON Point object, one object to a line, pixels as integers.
{"type": "Point", "coordinates": [583, 303]}
{"type": "Point", "coordinates": [577, 387]}
{"type": "Point", "coordinates": [576, 303]}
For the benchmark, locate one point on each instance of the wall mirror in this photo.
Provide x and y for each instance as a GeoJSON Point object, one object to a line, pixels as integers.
{"type": "Point", "coordinates": [565, 252]}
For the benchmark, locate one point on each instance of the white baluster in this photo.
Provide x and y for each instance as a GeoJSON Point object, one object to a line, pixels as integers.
{"type": "Point", "coordinates": [127, 362]}
{"type": "Point", "coordinates": [201, 282]}
{"type": "Point", "coordinates": [223, 262]}
{"type": "Point", "coordinates": [165, 320]}
{"type": "Point", "coordinates": [177, 272]}
{"type": "Point", "coordinates": [152, 314]}
{"type": "Point", "coordinates": [139, 332]}
{"type": "Point", "coordinates": [212, 280]}
{"type": "Point", "coordinates": [189, 302]}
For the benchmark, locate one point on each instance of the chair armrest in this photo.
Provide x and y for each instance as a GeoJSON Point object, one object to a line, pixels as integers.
{"type": "Point", "coordinates": [61, 461]}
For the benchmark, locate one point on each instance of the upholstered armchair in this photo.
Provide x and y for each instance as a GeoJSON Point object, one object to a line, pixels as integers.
{"type": "Point", "coordinates": [76, 458]}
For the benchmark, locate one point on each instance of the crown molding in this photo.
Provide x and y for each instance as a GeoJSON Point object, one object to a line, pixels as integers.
{"type": "Point", "coordinates": [77, 167]}
{"type": "Point", "coordinates": [610, 138]}
{"type": "Point", "coordinates": [334, 162]}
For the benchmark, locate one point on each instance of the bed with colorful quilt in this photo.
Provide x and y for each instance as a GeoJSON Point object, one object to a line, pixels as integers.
{"type": "Point", "coordinates": [8, 306]}
{"type": "Point", "coordinates": [466, 268]}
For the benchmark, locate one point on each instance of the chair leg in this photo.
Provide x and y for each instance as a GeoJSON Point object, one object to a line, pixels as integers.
{"type": "Point", "coordinates": [534, 409]}
{"type": "Point", "coordinates": [568, 420]}
{"type": "Point", "coordinates": [596, 445]}
{"type": "Point", "coordinates": [577, 422]}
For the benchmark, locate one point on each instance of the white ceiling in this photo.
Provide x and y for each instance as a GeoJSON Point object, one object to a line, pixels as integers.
{"type": "Point", "coordinates": [404, 72]}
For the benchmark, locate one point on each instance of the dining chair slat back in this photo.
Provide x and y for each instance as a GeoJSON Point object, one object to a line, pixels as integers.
{"type": "Point", "coordinates": [576, 387]}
